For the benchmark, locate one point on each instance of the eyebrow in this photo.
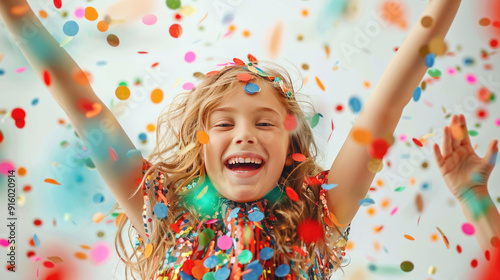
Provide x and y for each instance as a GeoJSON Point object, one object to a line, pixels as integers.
{"type": "Point", "coordinates": [230, 109]}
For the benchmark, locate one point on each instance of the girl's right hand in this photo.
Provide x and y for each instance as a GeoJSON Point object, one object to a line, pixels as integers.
{"type": "Point", "coordinates": [461, 168]}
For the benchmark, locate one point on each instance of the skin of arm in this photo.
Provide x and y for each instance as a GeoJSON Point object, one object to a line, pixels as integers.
{"type": "Point", "coordinates": [101, 133]}
{"type": "Point", "coordinates": [383, 110]}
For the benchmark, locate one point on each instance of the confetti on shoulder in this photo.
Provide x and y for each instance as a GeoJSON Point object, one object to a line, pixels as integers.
{"type": "Point", "coordinates": [328, 186]}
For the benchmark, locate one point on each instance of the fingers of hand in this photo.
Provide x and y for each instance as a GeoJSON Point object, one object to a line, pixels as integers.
{"type": "Point", "coordinates": [456, 131]}
{"type": "Point", "coordinates": [491, 153]}
{"type": "Point", "coordinates": [437, 154]}
{"type": "Point", "coordinates": [446, 142]}
{"type": "Point", "coordinates": [466, 139]}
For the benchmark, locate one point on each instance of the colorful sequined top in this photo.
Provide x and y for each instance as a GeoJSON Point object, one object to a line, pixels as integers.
{"type": "Point", "coordinates": [231, 240]}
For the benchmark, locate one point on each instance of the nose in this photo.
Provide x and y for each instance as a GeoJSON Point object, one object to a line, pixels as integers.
{"type": "Point", "coordinates": [245, 135]}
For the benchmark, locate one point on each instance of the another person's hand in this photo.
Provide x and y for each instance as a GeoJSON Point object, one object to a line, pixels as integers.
{"type": "Point", "coordinates": [462, 169]}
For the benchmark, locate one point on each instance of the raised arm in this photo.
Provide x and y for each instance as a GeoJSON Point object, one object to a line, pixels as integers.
{"type": "Point", "coordinates": [383, 110]}
{"type": "Point", "coordinates": [92, 120]}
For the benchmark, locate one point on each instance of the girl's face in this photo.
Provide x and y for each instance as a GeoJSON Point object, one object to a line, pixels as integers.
{"type": "Point", "coordinates": [248, 127]}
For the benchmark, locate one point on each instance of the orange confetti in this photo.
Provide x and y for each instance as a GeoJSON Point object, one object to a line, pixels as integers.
{"type": "Point", "coordinates": [246, 33]}
{"type": "Point", "coordinates": [409, 237]}
{"type": "Point", "coordinates": [202, 137]}
{"type": "Point", "coordinates": [51, 181]}
{"type": "Point", "coordinates": [150, 127]}
{"type": "Point", "coordinates": [43, 14]}
{"type": "Point", "coordinates": [157, 96]}
{"type": "Point", "coordinates": [299, 250]}
{"type": "Point", "coordinates": [434, 237]}
{"type": "Point", "coordinates": [120, 219]}
{"type": "Point", "coordinates": [91, 13]}
{"type": "Point", "coordinates": [19, 10]}
{"type": "Point", "coordinates": [320, 84]}
{"type": "Point", "coordinates": [276, 40]}
{"type": "Point", "coordinates": [112, 154]}
{"type": "Point", "coordinates": [362, 136]}
{"type": "Point", "coordinates": [80, 256]}
{"type": "Point", "coordinates": [298, 157]}
{"type": "Point", "coordinates": [21, 171]}
{"type": "Point", "coordinates": [96, 109]}
{"type": "Point", "coordinates": [82, 78]}
{"type": "Point", "coordinates": [366, 84]}
{"type": "Point", "coordinates": [102, 26]}
{"type": "Point", "coordinates": [244, 77]}
{"type": "Point", "coordinates": [327, 51]}
{"type": "Point", "coordinates": [148, 251]}
{"type": "Point", "coordinates": [122, 92]}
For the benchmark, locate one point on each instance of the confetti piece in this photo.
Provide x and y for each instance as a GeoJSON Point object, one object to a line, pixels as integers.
{"type": "Point", "coordinates": [275, 43]}
{"type": "Point", "coordinates": [244, 77]}
{"type": "Point", "coordinates": [417, 93]}
{"type": "Point", "coordinates": [102, 26]}
{"type": "Point", "coordinates": [290, 122]}
{"type": "Point", "coordinates": [399, 189]}
{"type": "Point", "coordinates": [113, 40]}
{"type": "Point", "coordinates": [91, 13]}
{"type": "Point", "coordinates": [71, 28]}
{"type": "Point", "coordinates": [173, 4]}
{"type": "Point", "coordinates": [468, 229]}
{"type": "Point", "coordinates": [419, 201]}
{"type": "Point", "coordinates": [355, 104]}
{"type": "Point", "coordinates": [57, 4]}
{"type": "Point", "coordinates": [320, 84]}
{"type": "Point", "coordinates": [202, 193]}
{"type": "Point", "coordinates": [19, 10]}
{"type": "Point", "coordinates": [310, 231]}
{"type": "Point", "coordinates": [315, 120]}
{"type": "Point", "coordinates": [331, 133]}
{"type": "Point", "coordinates": [406, 266]}
{"type": "Point", "coordinates": [435, 73]}
{"type": "Point", "coordinates": [46, 78]}
{"type": "Point", "coordinates": [161, 210]}
{"type": "Point", "coordinates": [328, 186]}
{"type": "Point", "coordinates": [149, 19]}
{"type": "Point", "coordinates": [175, 30]}
{"type": "Point", "coordinates": [471, 79]}
{"type": "Point", "coordinates": [252, 88]}
{"type": "Point", "coordinates": [409, 237]}
{"type": "Point", "coordinates": [36, 241]}
{"type": "Point", "coordinates": [202, 137]}
{"type": "Point", "coordinates": [157, 96]}
{"type": "Point", "coordinates": [55, 259]}
{"type": "Point", "coordinates": [148, 250]}
{"type": "Point", "coordinates": [378, 148]}
{"type": "Point", "coordinates": [122, 92]}
{"type": "Point", "coordinates": [426, 21]}
{"type": "Point", "coordinates": [188, 86]}
{"type": "Point", "coordinates": [98, 217]}
{"type": "Point", "coordinates": [120, 219]}
{"type": "Point", "coordinates": [100, 253]}
{"type": "Point", "coordinates": [51, 181]}
{"type": "Point", "coordinates": [245, 256]}
{"type": "Point", "coordinates": [366, 201]}
{"type": "Point", "coordinates": [394, 210]}
{"type": "Point", "coordinates": [189, 57]}
{"type": "Point", "coordinates": [437, 46]}
{"type": "Point", "coordinates": [20, 70]}
{"type": "Point", "coordinates": [361, 136]}
{"type": "Point", "coordinates": [418, 143]}
{"type": "Point", "coordinates": [298, 157]}
{"type": "Point", "coordinates": [375, 165]}
{"type": "Point", "coordinates": [292, 194]}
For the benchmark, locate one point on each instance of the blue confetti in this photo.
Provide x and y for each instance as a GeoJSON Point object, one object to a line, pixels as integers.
{"type": "Point", "coordinates": [328, 186]}
{"type": "Point", "coordinates": [98, 198]}
{"type": "Point", "coordinates": [355, 104]}
{"type": "Point", "coordinates": [282, 270]}
{"type": "Point", "coordinates": [425, 186]}
{"type": "Point", "coordinates": [266, 253]}
{"type": "Point", "coordinates": [416, 94]}
{"type": "Point", "coordinates": [222, 273]}
{"type": "Point", "coordinates": [256, 268]}
{"type": "Point", "coordinates": [101, 63]}
{"type": "Point", "coordinates": [366, 201]}
{"type": "Point", "coordinates": [185, 276]}
{"type": "Point", "coordinates": [468, 61]}
{"type": "Point", "coordinates": [493, 158]}
{"type": "Point", "coordinates": [143, 137]}
{"type": "Point", "coordinates": [429, 59]}
{"type": "Point", "coordinates": [233, 214]}
{"type": "Point", "coordinates": [211, 262]}
{"type": "Point", "coordinates": [161, 210]}
{"type": "Point", "coordinates": [133, 152]}
{"type": "Point", "coordinates": [35, 240]}
{"type": "Point", "coordinates": [252, 88]}
{"type": "Point", "coordinates": [256, 216]}
{"type": "Point", "coordinates": [71, 28]}
{"type": "Point", "coordinates": [2, 72]}
{"type": "Point", "coordinates": [34, 101]}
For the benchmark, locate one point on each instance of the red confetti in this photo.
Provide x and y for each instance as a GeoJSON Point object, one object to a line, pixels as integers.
{"type": "Point", "coordinates": [212, 73]}
{"type": "Point", "coordinates": [112, 154]}
{"type": "Point", "coordinates": [46, 78]}
{"type": "Point", "coordinates": [290, 122]}
{"type": "Point", "coordinates": [333, 127]}
{"type": "Point", "coordinates": [1, 136]}
{"type": "Point", "coordinates": [175, 30]}
{"type": "Point", "coordinates": [178, 17]}
{"type": "Point", "coordinates": [298, 157]}
{"type": "Point", "coordinates": [244, 77]}
{"type": "Point", "coordinates": [378, 148]}
{"type": "Point", "coordinates": [239, 61]}
{"type": "Point", "coordinates": [482, 114]}
{"type": "Point", "coordinates": [155, 64]}
{"type": "Point", "coordinates": [20, 123]}
{"type": "Point", "coordinates": [175, 228]}
{"type": "Point", "coordinates": [313, 181]}
{"type": "Point", "coordinates": [418, 143]}
{"type": "Point", "coordinates": [487, 255]}
{"type": "Point", "coordinates": [37, 222]}
{"type": "Point", "coordinates": [18, 113]}
{"type": "Point", "coordinates": [292, 194]}
{"type": "Point", "coordinates": [252, 58]}
{"type": "Point", "coordinates": [494, 43]}
{"type": "Point", "coordinates": [310, 231]}
{"type": "Point", "coordinates": [298, 250]}
{"type": "Point", "coordinates": [459, 249]}
{"type": "Point", "coordinates": [187, 267]}
{"type": "Point", "coordinates": [48, 264]}
{"type": "Point", "coordinates": [58, 4]}
{"type": "Point", "coordinates": [473, 263]}
{"type": "Point", "coordinates": [339, 108]}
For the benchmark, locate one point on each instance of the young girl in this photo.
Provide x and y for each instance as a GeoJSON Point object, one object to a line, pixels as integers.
{"type": "Point", "coordinates": [232, 188]}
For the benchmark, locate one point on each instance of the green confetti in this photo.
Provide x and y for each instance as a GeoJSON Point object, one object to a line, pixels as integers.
{"type": "Point", "coordinates": [399, 189]}
{"type": "Point", "coordinates": [245, 256]}
{"type": "Point", "coordinates": [473, 133]}
{"type": "Point", "coordinates": [434, 73]}
{"type": "Point", "coordinates": [406, 266]}
{"type": "Point", "coordinates": [173, 4]}
{"type": "Point", "coordinates": [314, 120]}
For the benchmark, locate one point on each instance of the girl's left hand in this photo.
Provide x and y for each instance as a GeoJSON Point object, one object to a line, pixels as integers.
{"type": "Point", "coordinates": [461, 168]}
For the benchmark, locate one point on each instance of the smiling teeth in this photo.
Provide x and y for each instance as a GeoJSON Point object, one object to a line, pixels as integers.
{"type": "Point", "coordinates": [244, 160]}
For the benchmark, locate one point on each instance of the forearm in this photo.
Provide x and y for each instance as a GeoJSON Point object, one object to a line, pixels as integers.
{"type": "Point", "coordinates": [481, 212]}
{"type": "Point", "coordinates": [43, 53]}
{"type": "Point", "coordinates": [406, 69]}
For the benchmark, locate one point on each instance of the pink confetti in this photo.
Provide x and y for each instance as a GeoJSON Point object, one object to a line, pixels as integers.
{"type": "Point", "coordinates": [402, 137]}
{"type": "Point", "coordinates": [189, 57]}
{"type": "Point", "coordinates": [451, 71]}
{"type": "Point", "coordinates": [100, 253]}
{"type": "Point", "coordinates": [149, 19]}
{"type": "Point", "coordinates": [188, 86]}
{"type": "Point", "coordinates": [35, 258]}
{"type": "Point", "coordinates": [428, 103]}
{"type": "Point", "coordinates": [4, 242]}
{"type": "Point", "coordinates": [497, 122]}
{"type": "Point", "coordinates": [112, 154]}
{"type": "Point", "coordinates": [224, 242]}
{"type": "Point", "coordinates": [394, 210]}
{"type": "Point", "coordinates": [79, 12]}
{"type": "Point", "coordinates": [468, 229]}
{"type": "Point", "coordinates": [21, 70]}
{"type": "Point", "coordinates": [5, 167]}
{"type": "Point", "coordinates": [471, 79]}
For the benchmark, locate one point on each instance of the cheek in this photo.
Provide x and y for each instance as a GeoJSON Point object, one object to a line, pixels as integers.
{"type": "Point", "coordinates": [266, 137]}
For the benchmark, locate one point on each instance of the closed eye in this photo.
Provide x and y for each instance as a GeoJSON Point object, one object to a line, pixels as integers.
{"type": "Point", "coordinates": [223, 125]}
{"type": "Point", "coordinates": [264, 124]}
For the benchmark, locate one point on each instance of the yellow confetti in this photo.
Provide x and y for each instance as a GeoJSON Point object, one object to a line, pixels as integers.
{"type": "Point", "coordinates": [202, 193]}
{"type": "Point", "coordinates": [187, 10]}
{"type": "Point", "coordinates": [148, 251]}
{"type": "Point", "coordinates": [186, 149]}
{"type": "Point", "coordinates": [177, 82]}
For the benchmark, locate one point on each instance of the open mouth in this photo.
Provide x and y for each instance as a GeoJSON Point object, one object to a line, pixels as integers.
{"type": "Point", "coordinates": [243, 166]}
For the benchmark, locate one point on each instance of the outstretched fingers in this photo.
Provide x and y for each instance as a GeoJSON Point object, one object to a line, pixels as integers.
{"type": "Point", "coordinates": [456, 131]}
{"type": "Point", "coordinates": [491, 152]}
{"type": "Point", "coordinates": [466, 138]}
{"type": "Point", "coordinates": [437, 154]}
{"type": "Point", "coordinates": [446, 142]}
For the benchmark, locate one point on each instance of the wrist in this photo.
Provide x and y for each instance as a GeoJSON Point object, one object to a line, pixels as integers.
{"type": "Point", "coordinates": [473, 192]}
